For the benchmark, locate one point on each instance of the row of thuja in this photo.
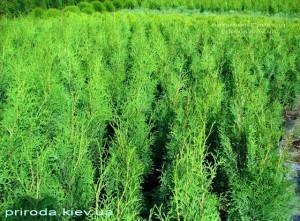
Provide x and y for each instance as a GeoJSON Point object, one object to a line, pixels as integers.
{"type": "Point", "coordinates": [164, 116]}
{"type": "Point", "coordinates": [17, 7]}
{"type": "Point", "coordinates": [86, 7]}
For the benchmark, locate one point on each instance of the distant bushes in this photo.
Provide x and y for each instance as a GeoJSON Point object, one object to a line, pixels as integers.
{"type": "Point", "coordinates": [98, 6]}
{"type": "Point", "coordinates": [88, 10]}
{"type": "Point", "coordinates": [118, 4]}
{"type": "Point", "coordinates": [16, 7]}
{"type": "Point", "coordinates": [109, 6]}
{"type": "Point", "coordinates": [86, 7]}
{"type": "Point", "coordinates": [130, 4]}
{"type": "Point", "coordinates": [72, 8]}
{"type": "Point", "coordinates": [82, 5]}
{"type": "Point", "coordinates": [38, 12]}
{"type": "Point", "coordinates": [266, 6]}
{"type": "Point", "coordinates": [53, 12]}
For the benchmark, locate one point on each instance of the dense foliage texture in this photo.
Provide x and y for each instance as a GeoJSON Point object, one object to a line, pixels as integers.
{"type": "Point", "coordinates": [17, 7]}
{"type": "Point", "coordinates": [159, 117]}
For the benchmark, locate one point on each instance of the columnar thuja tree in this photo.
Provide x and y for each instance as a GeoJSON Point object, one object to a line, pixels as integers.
{"type": "Point", "coordinates": [194, 92]}
{"type": "Point", "coordinates": [279, 56]}
{"type": "Point", "coordinates": [188, 178]}
{"type": "Point", "coordinates": [55, 126]}
{"type": "Point", "coordinates": [130, 151]}
{"type": "Point", "coordinates": [255, 171]}
{"type": "Point", "coordinates": [30, 128]}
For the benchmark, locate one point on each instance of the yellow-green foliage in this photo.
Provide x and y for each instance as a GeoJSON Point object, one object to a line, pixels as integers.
{"type": "Point", "coordinates": [92, 106]}
{"type": "Point", "coordinates": [71, 8]}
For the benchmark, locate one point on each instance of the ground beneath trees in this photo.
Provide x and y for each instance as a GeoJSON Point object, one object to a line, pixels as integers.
{"type": "Point", "coordinates": [292, 127]}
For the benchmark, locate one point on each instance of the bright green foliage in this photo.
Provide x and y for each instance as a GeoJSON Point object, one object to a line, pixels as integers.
{"type": "Point", "coordinates": [194, 106]}
{"type": "Point", "coordinates": [88, 10]}
{"type": "Point", "coordinates": [71, 8]}
{"type": "Point", "coordinates": [52, 12]}
{"type": "Point", "coordinates": [83, 5]}
{"type": "Point", "coordinates": [93, 107]}
{"type": "Point", "coordinates": [130, 156]}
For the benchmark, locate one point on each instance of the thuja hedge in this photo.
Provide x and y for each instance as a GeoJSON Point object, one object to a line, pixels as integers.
{"type": "Point", "coordinates": [159, 117]}
{"type": "Point", "coordinates": [221, 5]}
{"type": "Point", "coordinates": [17, 7]}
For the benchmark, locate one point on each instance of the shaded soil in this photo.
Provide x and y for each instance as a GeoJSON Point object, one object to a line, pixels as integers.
{"type": "Point", "coordinates": [292, 128]}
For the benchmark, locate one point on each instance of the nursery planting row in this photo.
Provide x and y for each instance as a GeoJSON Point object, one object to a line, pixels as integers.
{"type": "Point", "coordinates": [17, 7]}
{"type": "Point", "coordinates": [151, 117]}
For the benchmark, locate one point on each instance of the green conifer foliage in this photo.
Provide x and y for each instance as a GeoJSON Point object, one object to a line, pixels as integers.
{"type": "Point", "coordinates": [153, 116]}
